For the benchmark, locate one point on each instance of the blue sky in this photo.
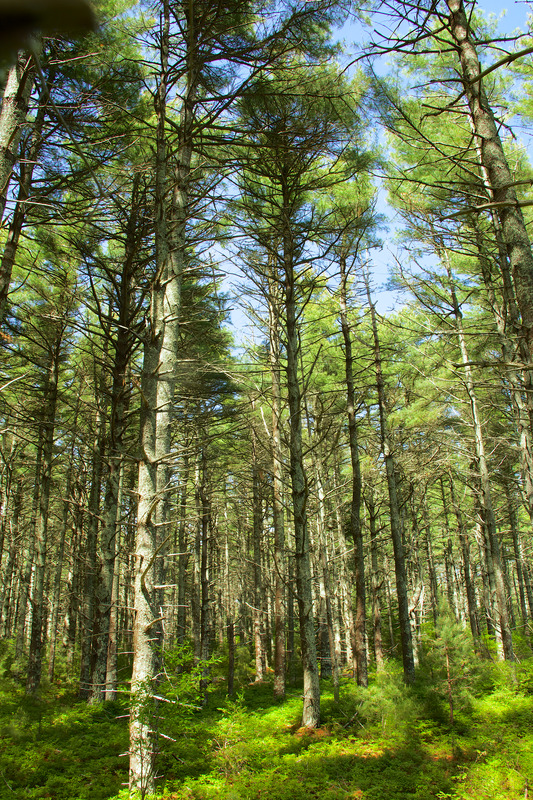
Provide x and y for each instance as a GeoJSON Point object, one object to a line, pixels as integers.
{"type": "Point", "coordinates": [510, 16]}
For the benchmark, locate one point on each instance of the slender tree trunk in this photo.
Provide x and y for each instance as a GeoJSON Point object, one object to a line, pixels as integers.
{"type": "Point", "coordinates": [123, 343]}
{"type": "Point", "coordinates": [515, 537]}
{"type": "Point", "coordinates": [448, 552]}
{"type": "Point", "coordinates": [183, 555]}
{"type": "Point", "coordinates": [70, 621]}
{"type": "Point", "coordinates": [376, 582]}
{"type": "Point", "coordinates": [41, 529]}
{"type": "Point", "coordinates": [499, 175]}
{"type": "Point", "coordinates": [27, 165]}
{"type": "Point", "coordinates": [277, 492]}
{"type": "Point", "coordinates": [311, 699]}
{"type": "Point", "coordinates": [29, 555]}
{"type": "Point", "coordinates": [92, 576]}
{"type": "Point", "coordinates": [12, 118]}
{"type": "Point", "coordinates": [395, 518]}
{"type": "Point", "coordinates": [493, 550]}
{"type": "Point", "coordinates": [8, 575]}
{"type": "Point", "coordinates": [433, 590]}
{"type": "Point", "coordinates": [257, 531]}
{"type": "Point", "coordinates": [355, 506]}
{"type": "Point", "coordinates": [324, 581]}
{"type": "Point", "coordinates": [161, 349]}
{"type": "Point", "coordinates": [206, 606]}
{"type": "Point", "coordinates": [465, 549]}
{"type": "Point", "coordinates": [57, 578]}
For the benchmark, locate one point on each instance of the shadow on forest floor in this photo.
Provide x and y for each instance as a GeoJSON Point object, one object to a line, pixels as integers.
{"type": "Point", "coordinates": [384, 743]}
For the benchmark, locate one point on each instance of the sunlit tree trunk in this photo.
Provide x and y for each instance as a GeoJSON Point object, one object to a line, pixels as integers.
{"type": "Point", "coordinates": [499, 175]}
{"type": "Point", "coordinates": [277, 490]}
{"type": "Point", "coordinates": [466, 559]}
{"type": "Point", "coordinates": [122, 342]}
{"type": "Point", "coordinates": [492, 550]}
{"type": "Point", "coordinates": [41, 529]}
{"type": "Point", "coordinates": [12, 117]}
{"type": "Point", "coordinates": [257, 535]}
{"type": "Point", "coordinates": [395, 518]}
{"type": "Point", "coordinates": [355, 505]}
{"type": "Point", "coordinates": [311, 698]}
{"type": "Point", "coordinates": [28, 162]}
{"type": "Point", "coordinates": [160, 354]}
{"type": "Point", "coordinates": [56, 589]}
{"type": "Point", "coordinates": [376, 581]}
{"type": "Point", "coordinates": [90, 550]}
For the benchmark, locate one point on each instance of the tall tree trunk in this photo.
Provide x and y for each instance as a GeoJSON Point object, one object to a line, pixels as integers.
{"type": "Point", "coordinates": [355, 505]}
{"type": "Point", "coordinates": [41, 528]}
{"type": "Point", "coordinates": [56, 591]}
{"type": "Point", "coordinates": [277, 491]}
{"type": "Point", "coordinates": [311, 696]}
{"type": "Point", "coordinates": [8, 573]}
{"type": "Point", "coordinates": [376, 581]}
{"type": "Point", "coordinates": [499, 175]}
{"type": "Point", "coordinates": [493, 549]}
{"type": "Point", "coordinates": [12, 117]}
{"type": "Point", "coordinates": [324, 579]}
{"type": "Point", "coordinates": [183, 554]}
{"type": "Point", "coordinates": [29, 555]}
{"type": "Point", "coordinates": [160, 354]}
{"type": "Point", "coordinates": [395, 518]}
{"type": "Point", "coordinates": [465, 549]}
{"type": "Point", "coordinates": [517, 376]}
{"type": "Point", "coordinates": [205, 606]}
{"type": "Point", "coordinates": [123, 339]}
{"type": "Point", "coordinates": [257, 532]}
{"type": "Point", "coordinates": [89, 631]}
{"type": "Point", "coordinates": [28, 162]}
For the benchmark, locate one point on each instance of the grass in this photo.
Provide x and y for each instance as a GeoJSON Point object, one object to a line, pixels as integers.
{"type": "Point", "coordinates": [383, 743]}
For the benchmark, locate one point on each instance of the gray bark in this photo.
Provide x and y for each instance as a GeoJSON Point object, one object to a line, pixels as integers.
{"type": "Point", "coordinates": [12, 118]}
{"type": "Point", "coordinates": [492, 550]}
{"type": "Point", "coordinates": [499, 175]}
{"type": "Point", "coordinates": [355, 505]}
{"type": "Point", "coordinates": [41, 528]}
{"type": "Point", "coordinates": [395, 518]}
{"type": "Point", "coordinates": [311, 699]}
{"type": "Point", "coordinates": [277, 492]}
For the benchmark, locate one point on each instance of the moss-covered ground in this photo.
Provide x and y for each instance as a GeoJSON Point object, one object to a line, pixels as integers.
{"type": "Point", "coordinates": [383, 743]}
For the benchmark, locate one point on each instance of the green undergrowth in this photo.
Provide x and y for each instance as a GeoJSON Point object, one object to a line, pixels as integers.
{"type": "Point", "coordinates": [381, 743]}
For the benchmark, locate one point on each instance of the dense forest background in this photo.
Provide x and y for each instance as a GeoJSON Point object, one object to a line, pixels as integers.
{"type": "Point", "coordinates": [331, 488]}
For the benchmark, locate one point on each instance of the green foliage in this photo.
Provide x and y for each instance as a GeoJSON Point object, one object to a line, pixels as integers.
{"type": "Point", "coordinates": [374, 744]}
{"type": "Point", "coordinates": [244, 664]}
{"type": "Point", "coordinates": [448, 666]}
{"type": "Point", "coordinates": [385, 708]}
{"type": "Point", "coordinates": [182, 675]}
{"type": "Point", "coordinates": [57, 747]}
{"type": "Point", "coordinates": [11, 667]}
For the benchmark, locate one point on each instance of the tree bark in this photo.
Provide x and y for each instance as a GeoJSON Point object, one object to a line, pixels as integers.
{"type": "Point", "coordinates": [160, 354]}
{"type": "Point", "coordinates": [395, 518]}
{"type": "Point", "coordinates": [355, 505]}
{"type": "Point", "coordinates": [376, 582]}
{"type": "Point", "coordinates": [257, 531]}
{"type": "Point", "coordinates": [15, 103]}
{"type": "Point", "coordinates": [41, 529]}
{"type": "Point", "coordinates": [277, 490]}
{"type": "Point", "coordinates": [311, 699]}
{"type": "Point", "coordinates": [492, 550]}
{"type": "Point", "coordinates": [500, 179]}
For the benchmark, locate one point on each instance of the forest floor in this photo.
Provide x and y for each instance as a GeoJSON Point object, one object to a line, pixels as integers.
{"type": "Point", "coordinates": [382, 743]}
